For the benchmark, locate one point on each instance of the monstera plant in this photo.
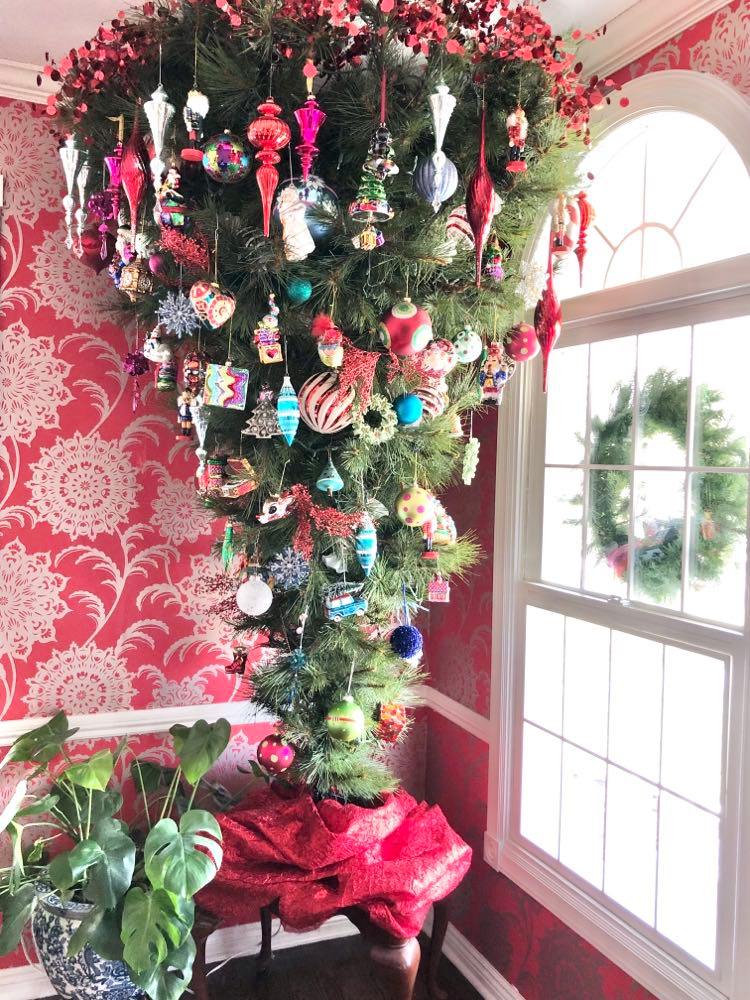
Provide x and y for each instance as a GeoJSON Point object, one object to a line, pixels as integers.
{"type": "Point", "coordinates": [135, 880]}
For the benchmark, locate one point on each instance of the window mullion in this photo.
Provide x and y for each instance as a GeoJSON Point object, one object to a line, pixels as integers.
{"type": "Point", "coordinates": [633, 452]}
{"type": "Point", "coordinates": [690, 457]}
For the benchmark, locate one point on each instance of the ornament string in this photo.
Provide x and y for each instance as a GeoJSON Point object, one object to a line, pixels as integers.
{"type": "Point", "coordinates": [383, 97]}
{"type": "Point", "coordinates": [160, 60]}
{"type": "Point", "coordinates": [351, 678]}
{"type": "Point", "coordinates": [229, 343]}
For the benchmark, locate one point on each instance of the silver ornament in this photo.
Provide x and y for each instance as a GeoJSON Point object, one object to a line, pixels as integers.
{"type": "Point", "coordinates": [442, 104]}
{"type": "Point", "coordinates": [159, 113]}
{"type": "Point", "coordinates": [69, 158]}
{"type": "Point", "coordinates": [435, 179]}
{"type": "Point", "coordinates": [82, 179]}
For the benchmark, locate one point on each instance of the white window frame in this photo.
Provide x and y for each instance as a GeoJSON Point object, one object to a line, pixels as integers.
{"type": "Point", "coordinates": [710, 292]}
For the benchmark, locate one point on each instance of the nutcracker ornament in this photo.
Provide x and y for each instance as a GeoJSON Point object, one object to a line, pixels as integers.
{"type": "Point", "coordinates": [267, 336]}
{"type": "Point", "coordinates": [518, 128]}
{"type": "Point", "coordinates": [269, 134]}
{"type": "Point", "coordinates": [194, 114]}
{"type": "Point", "coordinates": [565, 226]}
{"type": "Point", "coordinates": [494, 373]}
{"type": "Point", "coordinates": [184, 415]}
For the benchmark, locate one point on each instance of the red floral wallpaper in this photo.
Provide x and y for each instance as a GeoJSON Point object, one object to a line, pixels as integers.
{"type": "Point", "coordinates": [536, 952]}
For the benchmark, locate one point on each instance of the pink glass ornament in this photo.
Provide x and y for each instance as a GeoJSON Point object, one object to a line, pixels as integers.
{"type": "Point", "coordinates": [547, 322]}
{"type": "Point", "coordinates": [309, 117]}
{"type": "Point", "coordinates": [270, 134]}
{"type": "Point", "coordinates": [480, 196]}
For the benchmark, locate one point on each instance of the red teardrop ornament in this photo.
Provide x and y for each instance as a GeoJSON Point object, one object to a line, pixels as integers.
{"type": "Point", "coordinates": [134, 173]}
{"type": "Point", "coordinates": [586, 210]}
{"type": "Point", "coordinates": [547, 321]}
{"type": "Point", "coordinates": [269, 134]}
{"type": "Point", "coordinates": [479, 201]}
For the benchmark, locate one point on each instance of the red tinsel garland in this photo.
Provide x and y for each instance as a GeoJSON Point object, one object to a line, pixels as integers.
{"type": "Point", "coordinates": [190, 251]}
{"type": "Point", "coordinates": [358, 370]}
{"type": "Point", "coordinates": [329, 519]}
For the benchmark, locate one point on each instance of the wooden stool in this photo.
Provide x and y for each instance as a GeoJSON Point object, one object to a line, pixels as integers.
{"type": "Point", "coordinates": [397, 960]}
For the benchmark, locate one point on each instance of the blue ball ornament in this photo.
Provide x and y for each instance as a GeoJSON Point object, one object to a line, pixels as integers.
{"type": "Point", "coordinates": [409, 409]}
{"type": "Point", "coordinates": [435, 179]}
{"type": "Point", "coordinates": [299, 291]}
{"type": "Point", "coordinates": [406, 641]}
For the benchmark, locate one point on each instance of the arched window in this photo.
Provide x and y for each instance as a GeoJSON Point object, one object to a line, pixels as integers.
{"type": "Point", "coordinates": [622, 583]}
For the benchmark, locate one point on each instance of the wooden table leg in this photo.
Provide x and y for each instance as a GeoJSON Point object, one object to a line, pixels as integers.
{"type": "Point", "coordinates": [199, 982]}
{"type": "Point", "coordinates": [265, 956]}
{"type": "Point", "coordinates": [398, 964]}
{"type": "Point", "coordinates": [439, 928]}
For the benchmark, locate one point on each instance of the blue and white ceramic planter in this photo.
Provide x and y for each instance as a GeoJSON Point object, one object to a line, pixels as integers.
{"type": "Point", "coordinates": [86, 976]}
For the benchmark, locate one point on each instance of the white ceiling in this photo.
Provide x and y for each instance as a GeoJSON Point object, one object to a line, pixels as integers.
{"type": "Point", "coordinates": [33, 27]}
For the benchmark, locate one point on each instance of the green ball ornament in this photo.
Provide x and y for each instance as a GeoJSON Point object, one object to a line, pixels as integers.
{"type": "Point", "coordinates": [346, 721]}
{"type": "Point", "coordinates": [299, 291]}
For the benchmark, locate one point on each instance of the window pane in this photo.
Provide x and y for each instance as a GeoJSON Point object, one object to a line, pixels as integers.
{"type": "Point", "coordinates": [692, 744]}
{"type": "Point", "coordinates": [722, 418]}
{"type": "Point", "coordinates": [635, 704]}
{"type": "Point", "coordinates": [543, 678]}
{"type": "Point", "coordinates": [661, 252]}
{"type": "Point", "coordinates": [612, 378]}
{"type": "Point", "coordinates": [562, 541]}
{"type": "Point", "coordinates": [718, 547]}
{"type": "Point", "coordinates": [663, 373]}
{"type": "Point", "coordinates": [586, 684]}
{"type": "Point", "coordinates": [582, 814]}
{"type": "Point", "coordinates": [540, 795]}
{"type": "Point", "coordinates": [716, 200]}
{"type": "Point", "coordinates": [607, 532]}
{"type": "Point", "coordinates": [688, 877]}
{"type": "Point", "coordinates": [630, 853]}
{"type": "Point", "coordinates": [566, 406]}
{"type": "Point", "coordinates": [659, 520]}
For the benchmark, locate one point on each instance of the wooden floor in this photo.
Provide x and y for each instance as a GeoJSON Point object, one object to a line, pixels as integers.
{"type": "Point", "coordinates": [331, 970]}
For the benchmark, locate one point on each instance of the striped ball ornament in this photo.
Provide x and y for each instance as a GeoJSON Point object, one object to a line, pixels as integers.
{"type": "Point", "coordinates": [434, 399]}
{"type": "Point", "coordinates": [323, 406]}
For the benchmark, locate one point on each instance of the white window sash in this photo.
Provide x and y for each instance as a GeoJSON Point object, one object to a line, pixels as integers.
{"type": "Point", "coordinates": [640, 950]}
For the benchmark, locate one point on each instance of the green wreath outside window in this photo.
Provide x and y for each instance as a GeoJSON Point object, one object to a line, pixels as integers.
{"type": "Point", "coordinates": [718, 502]}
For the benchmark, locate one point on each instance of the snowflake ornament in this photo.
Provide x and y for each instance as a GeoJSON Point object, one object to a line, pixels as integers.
{"type": "Point", "coordinates": [532, 278]}
{"type": "Point", "coordinates": [177, 315]}
{"type": "Point", "coordinates": [289, 570]}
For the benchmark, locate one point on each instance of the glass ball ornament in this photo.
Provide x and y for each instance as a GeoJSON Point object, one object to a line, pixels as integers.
{"type": "Point", "coordinates": [409, 409]}
{"type": "Point", "coordinates": [299, 291]}
{"type": "Point", "coordinates": [406, 328]}
{"type": "Point", "coordinates": [254, 597]}
{"type": "Point", "coordinates": [274, 754]}
{"type": "Point", "coordinates": [345, 721]}
{"type": "Point", "coordinates": [415, 506]}
{"type": "Point", "coordinates": [521, 343]}
{"type": "Point", "coordinates": [226, 158]}
{"type": "Point", "coordinates": [406, 641]}
{"type": "Point", "coordinates": [321, 206]}
{"type": "Point", "coordinates": [468, 345]}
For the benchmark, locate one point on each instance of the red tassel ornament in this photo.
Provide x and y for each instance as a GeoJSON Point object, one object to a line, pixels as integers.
{"type": "Point", "coordinates": [270, 134]}
{"type": "Point", "coordinates": [134, 173]}
{"type": "Point", "coordinates": [587, 216]}
{"type": "Point", "coordinates": [480, 196]}
{"type": "Point", "coordinates": [547, 321]}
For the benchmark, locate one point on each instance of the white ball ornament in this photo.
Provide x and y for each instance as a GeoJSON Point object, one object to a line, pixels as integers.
{"type": "Point", "coordinates": [325, 407]}
{"type": "Point", "coordinates": [468, 345]}
{"type": "Point", "coordinates": [254, 597]}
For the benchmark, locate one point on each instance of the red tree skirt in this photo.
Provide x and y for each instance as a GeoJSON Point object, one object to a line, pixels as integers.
{"type": "Point", "coordinates": [392, 862]}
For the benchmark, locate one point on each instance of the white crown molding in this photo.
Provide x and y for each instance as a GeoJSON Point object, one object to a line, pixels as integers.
{"type": "Point", "coordinates": [474, 723]}
{"type": "Point", "coordinates": [139, 721]}
{"type": "Point", "coordinates": [639, 29]}
{"type": "Point", "coordinates": [18, 81]}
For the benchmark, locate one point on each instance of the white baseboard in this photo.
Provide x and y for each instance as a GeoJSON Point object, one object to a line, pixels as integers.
{"type": "Point", "coordinates": [30, 983]}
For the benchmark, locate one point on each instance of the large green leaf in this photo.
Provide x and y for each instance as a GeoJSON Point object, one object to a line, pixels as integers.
{"type": "Point", "coordinates": [199, 746]}
{"type": "Point", "coordinates": [103, 804]}
{"type": "Point", "coordinates": [16, 911]}
{"type": "Point", "coordinates": [42, 744]}
{"type": "Point", "coordinates": [169, 980]}
{"type": "Point", "coordinates": [153, 925]}
{"type": "Point", "coordinates": [100, 929]}
{"type": "Point", "coordinates": [93, 773]}
{"type": "Point", "coordinates": [183, 859]}
{"type": "Point", "coordinates": [44, 804]}
{"type": "Point", "coordinates": [153, 776]}
{"type": "Point", "coordinates": [106, 860]}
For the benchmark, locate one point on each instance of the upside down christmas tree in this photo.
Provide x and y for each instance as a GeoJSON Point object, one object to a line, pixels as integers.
{"type": "Point", "coordinates": [316, 214]}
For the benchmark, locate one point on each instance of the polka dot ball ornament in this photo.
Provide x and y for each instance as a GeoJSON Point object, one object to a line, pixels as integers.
{"type": "Point", "coordinates": [415, 506]}
{"type": "Point", "coordinates": [275, 755]}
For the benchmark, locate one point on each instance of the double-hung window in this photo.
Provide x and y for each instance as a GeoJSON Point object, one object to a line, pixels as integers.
{"type": "Point", "coordinates": [622, 584]}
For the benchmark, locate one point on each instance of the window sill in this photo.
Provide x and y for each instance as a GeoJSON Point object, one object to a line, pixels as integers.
{"type": "Point", "coordinates": [649, 964]}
